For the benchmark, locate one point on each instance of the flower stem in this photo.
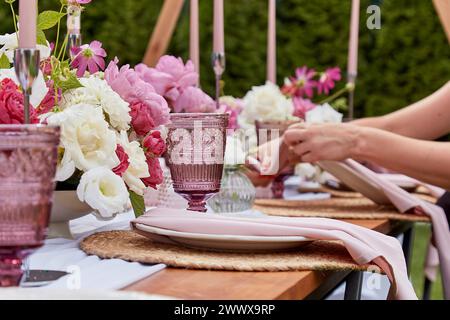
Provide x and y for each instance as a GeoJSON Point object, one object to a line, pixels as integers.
{"type": "Point", "coordinates": [14, 20]}
{"type": "Point", "coordinates": [58, 29]}
{"type": "Point", "coordinates": [63, 49]}
{"type": "Point", "coordinates": [335, 95]}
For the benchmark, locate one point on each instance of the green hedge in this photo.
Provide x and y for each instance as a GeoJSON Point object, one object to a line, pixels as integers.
{"type": "Point", "coordinates": [404, 61]}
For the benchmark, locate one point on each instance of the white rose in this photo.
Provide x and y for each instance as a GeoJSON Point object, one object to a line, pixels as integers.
{"type": "Point", "coordinates": [86, 136]}
{"type": "Point", "coordinates": [39, 86]}
{"type": "Point", "coordinates": [103, 191]}
{"type": "Point", "coordinates": [323, 114]}
{"type": "Point", "coordinates": [138, 167]}
{"type": "Point", "coordinates": [307, 171]}
{"type": "Point", "coordinates": [9, 43]}
{"type": "Point", "coordinates": [265, 102]}
{"type": "Point", "coordinates": [65, 168]}
{"type": "Point", "coordinates": [234, 151]}
{"type": "Point", "coordinates": [97, 91]}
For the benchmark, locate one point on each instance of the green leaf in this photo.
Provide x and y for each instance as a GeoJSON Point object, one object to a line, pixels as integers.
{"type": "Point", "coordinates": [41, 38]}
{"type": "Point", "coordinates": [67, 83]}
{"type": "Point", "coordinates": [137, 202]}
{"type": "Point", "coordinates": [4, 62]}
{"type": "Point", "coordinates": [48, 19]}
{"type": "Point", "coordinates": [10, 1]}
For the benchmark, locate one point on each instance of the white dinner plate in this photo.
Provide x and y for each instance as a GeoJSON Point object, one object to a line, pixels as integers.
{"type": "Point", "coordinates": [355, 181]}
{"type": "Point", "coordinates": [215, 242]}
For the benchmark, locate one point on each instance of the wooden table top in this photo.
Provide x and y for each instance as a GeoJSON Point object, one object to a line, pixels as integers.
{"type": "Point", "coordinates": [234, 285]}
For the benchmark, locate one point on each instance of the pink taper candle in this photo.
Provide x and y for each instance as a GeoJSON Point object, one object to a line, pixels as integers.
{"type": "Point", "coordinates": [27, 23]}
{"type": "Point", "coordinates": [352, 66]}
{"type": "Point", "coordinates": [219, 46]}
{"type": "Point", "coordinates": [194, 36]}
{"type": "Point", "coordinates": [272, 43]}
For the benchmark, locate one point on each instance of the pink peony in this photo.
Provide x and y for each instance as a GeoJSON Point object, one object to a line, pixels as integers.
{"type": "Point", "coordinates": [154, 144]}
{"type": "Point", "coordinates": [170, 77]}
{"type": "Point", "coordinates": [124, 161]}
{"type": "Point", "coordinates": [302, 106]}
{"type": "Point", "coordinates": [327, 80]}
{"type": "Point", "coordinates": [156, 173]}
{"type": "Point", "coordinates": [141, 118]}
{"type": "Point", "coordinates": [79, 1]}
{"type": "Point", "coordinates": [194, 100]}
{"type": "Point", "coordinates": [127, 83]}
{"type": "Point", "coordinates": [88, 57]}
{"type": "Point", "coordinates": [302, 84]}
{"type": "Point", "coordinates": [11, 104]}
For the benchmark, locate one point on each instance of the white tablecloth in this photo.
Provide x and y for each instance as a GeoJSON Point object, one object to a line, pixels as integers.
{"type": "Point", "coordinates": [89, 272]}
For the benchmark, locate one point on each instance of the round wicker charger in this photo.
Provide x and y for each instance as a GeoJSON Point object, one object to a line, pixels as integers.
{"type": "Point", "coordinates": [130, 246]}
{"type": "Point", "coordinates": [335, 208]}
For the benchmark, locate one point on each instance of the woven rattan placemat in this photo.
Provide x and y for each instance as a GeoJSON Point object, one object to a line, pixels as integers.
{"type": "Point", "coordinates": [130, 246]}
{"type": "Point", "coordinates": [335, 208]}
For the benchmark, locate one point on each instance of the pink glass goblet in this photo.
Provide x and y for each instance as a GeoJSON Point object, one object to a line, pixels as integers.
{"type": "Point", "coordinates": [195, 154]}
{"type": "Point", "coordinates": [265, 132]}
{"type": "Point", "coordinates": [28, 157]}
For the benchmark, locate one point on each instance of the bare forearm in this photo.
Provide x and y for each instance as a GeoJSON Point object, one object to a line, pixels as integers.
{"type": "Point", "coordinates": [426, 119]}
{"type": "Point", "coordinates": [424, 160]}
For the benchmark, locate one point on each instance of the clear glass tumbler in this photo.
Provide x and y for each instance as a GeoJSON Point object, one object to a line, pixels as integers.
{"type": "Point", "coordinates": [28, 157]}
{"type": "Point", "coordinates": [195, 154]}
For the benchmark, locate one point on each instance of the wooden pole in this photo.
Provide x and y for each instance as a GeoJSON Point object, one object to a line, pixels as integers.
{"type": "Point", "coordinates": [160, 39]}
{"type": "Point", "coordinates": [443, 10]}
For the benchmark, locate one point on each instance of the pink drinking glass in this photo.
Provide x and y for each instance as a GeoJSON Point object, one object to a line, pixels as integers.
{"type": "Point", "coordinates": [195, 153]}
{"type": "Point", "coordinates": [28, 156]}
{"type": "Point", "coordinates": [272, 129]}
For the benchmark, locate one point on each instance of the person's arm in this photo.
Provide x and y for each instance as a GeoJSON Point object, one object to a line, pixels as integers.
{"type": "Point", "coordinates": [424, 160]}
{"type": "Point", "coordinates": [426, 119]}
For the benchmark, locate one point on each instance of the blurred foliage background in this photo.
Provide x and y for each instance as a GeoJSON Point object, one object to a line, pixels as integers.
{"type": "Point", "coordinates": [405, 61]}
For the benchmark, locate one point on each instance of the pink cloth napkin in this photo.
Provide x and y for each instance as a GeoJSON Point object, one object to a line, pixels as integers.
{"type": "Point", "coordinates": [400, 179]}
{"type": "Point", "coordinates": [364, 245]}
{"type": "Point", "coordinates": [405, 202]}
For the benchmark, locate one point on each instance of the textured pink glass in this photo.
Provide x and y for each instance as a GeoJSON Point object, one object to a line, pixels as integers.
{"type": "Point", "coordinates": [275, 129]}
{"type": "Point", "coordinates": [195, 152]}
{"type": "Point", "coordinates": [28, 156]}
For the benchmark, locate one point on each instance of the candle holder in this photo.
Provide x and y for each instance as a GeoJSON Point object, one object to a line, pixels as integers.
{"type": "Point", "coordinates": [73, 28]}
{"type": "Point", "coordinates": [218, 64]}
{"type": "Point", "coordinates": [351, 78]}
{"type": "Point", "coordinates": [26, 65]}
{"type": "Point", "coordinates": [74, 41]}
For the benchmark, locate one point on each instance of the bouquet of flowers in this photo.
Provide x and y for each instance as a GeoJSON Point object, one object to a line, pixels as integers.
{"type": "Point", "coordinates": [110, 118]}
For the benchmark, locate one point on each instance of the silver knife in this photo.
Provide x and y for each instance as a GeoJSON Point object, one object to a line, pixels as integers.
{"type": "Point", "coordinates": [40, 278]}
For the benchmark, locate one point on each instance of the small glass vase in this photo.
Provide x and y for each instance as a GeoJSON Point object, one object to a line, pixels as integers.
{"type": "Point", "coordinates": [236, 194]}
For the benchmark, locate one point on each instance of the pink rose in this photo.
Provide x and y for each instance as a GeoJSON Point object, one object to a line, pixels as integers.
{"type": "Point", "coordinates": [156, 173]}
{"type": "Point", "coordinates": [124, 161]}
{"type": "Point", "coordinates": [233, 107]}
{"type": "Point", "coordinates": [11, 104]}
{"type": "Point", "coordinates": [141, 118]}
{"type": "Point", "coordinates": [49, 100]}
{"type": "Point", "coordinates": [194, 99]}
{"type": "Point", "coordinates": [154, 144]}
{"type": "Point", "coordinates": [127, 83]}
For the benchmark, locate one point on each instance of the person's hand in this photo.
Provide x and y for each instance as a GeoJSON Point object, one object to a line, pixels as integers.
{"type": "Point", "coordinates": [311, 143]}
{"type": "Point", "coordinates": [257, 179]}
{"type": "Point", "coordinates": [273, 157]}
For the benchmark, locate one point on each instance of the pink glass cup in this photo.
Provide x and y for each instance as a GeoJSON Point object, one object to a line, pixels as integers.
{"type": "Point", "coordinates": [270, 130]}
{"type": "Point", "coordinates": [195, 154]}
{"type": "Point", "coordinates": [28, 157]}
